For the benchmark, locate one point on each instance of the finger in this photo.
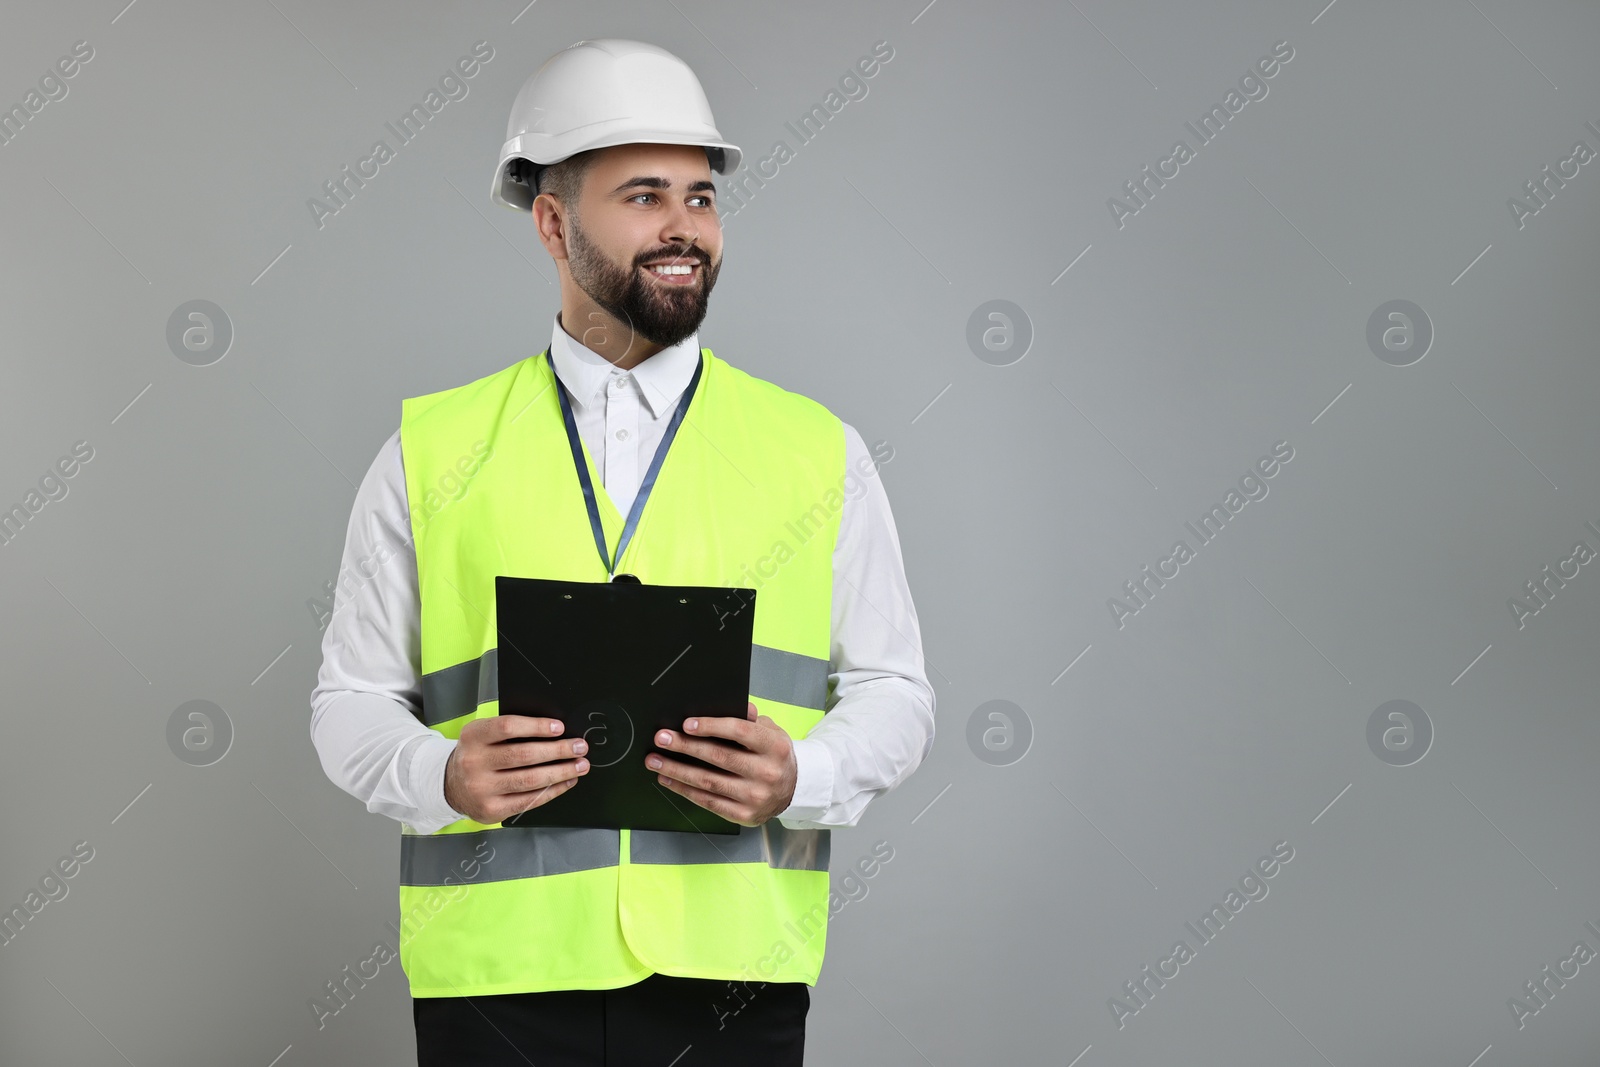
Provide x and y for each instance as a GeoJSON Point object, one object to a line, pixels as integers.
{"type": "Point", "coordinates": [533, 798]}
{"type": "Point", "coordinates": [722, 754]}
{"type": "Point", "coordinates": [513, 725]}
{"type": "Point", "coordinates": [511, 754]}
{"type": "Point", "coordinates": [712, 802]}
{"type": "Point", "coordinates": [533, 778]}
{"type": "Point", "coordinates": [741, 731]}
{"type": "Point", "coordinates": [727, 785]}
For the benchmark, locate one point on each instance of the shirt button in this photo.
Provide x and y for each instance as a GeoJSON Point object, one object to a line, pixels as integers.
{"type": "Point", "coordinates": [622, 435]}
{"type": "Point", "coordinates": [618, 384]}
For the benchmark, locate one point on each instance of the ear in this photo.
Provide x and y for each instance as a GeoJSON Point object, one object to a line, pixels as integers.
{"type": "Point", "coordinates": [551, 223]}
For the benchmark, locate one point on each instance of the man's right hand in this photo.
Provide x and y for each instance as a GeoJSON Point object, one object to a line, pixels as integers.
{"type": "Point", "coordinates": [499, 768]}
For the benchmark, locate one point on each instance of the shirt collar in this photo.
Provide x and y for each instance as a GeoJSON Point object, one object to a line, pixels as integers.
{"type": "Point", "coordinates": [662, 377]}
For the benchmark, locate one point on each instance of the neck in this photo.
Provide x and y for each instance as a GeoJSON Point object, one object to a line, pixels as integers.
{"type": "Point", "coordinates": [607, 338]}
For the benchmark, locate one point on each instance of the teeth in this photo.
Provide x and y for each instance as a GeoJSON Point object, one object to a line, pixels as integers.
{"type": "Point", "coordinates": [672, 269]}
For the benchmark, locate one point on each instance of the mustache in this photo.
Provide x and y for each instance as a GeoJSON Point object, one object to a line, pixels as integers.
{"type": "Point", "coordinates": [673, 253]}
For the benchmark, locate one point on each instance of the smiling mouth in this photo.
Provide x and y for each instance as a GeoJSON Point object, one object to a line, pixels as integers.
{"type": "Point", "coordinates": [674, 273]}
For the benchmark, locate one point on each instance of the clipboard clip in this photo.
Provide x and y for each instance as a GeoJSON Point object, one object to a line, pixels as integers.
{"type": "Point", "coordinates": [626, 579]}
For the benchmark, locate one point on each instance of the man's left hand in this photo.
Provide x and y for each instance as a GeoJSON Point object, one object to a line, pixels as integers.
{"type": "Point", "coordinates": [756, 780]}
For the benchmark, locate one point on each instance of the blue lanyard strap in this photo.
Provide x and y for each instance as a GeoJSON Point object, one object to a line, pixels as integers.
{"type": "Point", "coordinates": [609, 562]}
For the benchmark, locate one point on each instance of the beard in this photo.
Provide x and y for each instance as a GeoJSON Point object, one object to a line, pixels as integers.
{"type": "Point", "coordinates": [662, 314]}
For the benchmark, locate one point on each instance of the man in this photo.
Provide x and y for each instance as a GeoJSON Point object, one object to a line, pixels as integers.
{"type": "Point", "coordinates": [589, 946]}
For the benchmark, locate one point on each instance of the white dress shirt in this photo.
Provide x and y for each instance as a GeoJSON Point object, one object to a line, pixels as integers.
{"type": "Point", "coordinates": [879, 721]}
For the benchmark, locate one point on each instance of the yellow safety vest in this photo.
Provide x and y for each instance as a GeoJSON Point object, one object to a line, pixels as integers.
{"type": "Point", "coordinates": [748, 495]}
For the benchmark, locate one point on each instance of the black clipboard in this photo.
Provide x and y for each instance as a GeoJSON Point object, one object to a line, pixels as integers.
{"type": "Point", "coordinates": [617, 662]}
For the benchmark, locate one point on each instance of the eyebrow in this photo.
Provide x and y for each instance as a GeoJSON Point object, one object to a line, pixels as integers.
{"type": "Point", "coordinates": [652, 182]}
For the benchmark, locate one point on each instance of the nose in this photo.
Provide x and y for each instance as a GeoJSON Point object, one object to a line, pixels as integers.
{"type": "Point", "coordinates": [681, 228]}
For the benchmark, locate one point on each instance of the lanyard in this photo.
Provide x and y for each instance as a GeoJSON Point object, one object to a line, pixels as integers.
{"type": "Point", "coordinates": [649, 482]}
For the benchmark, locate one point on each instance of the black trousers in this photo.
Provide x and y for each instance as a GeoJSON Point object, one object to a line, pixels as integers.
{"type": "Point", "coordinates": [662, 1021]}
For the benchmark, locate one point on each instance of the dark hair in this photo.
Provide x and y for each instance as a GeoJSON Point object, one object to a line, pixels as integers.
{"type": "Point", "coordinates": [564, 180]}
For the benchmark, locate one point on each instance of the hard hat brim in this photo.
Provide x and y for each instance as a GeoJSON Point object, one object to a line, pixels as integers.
{"type": "Point", "coordinates": [546, 151]}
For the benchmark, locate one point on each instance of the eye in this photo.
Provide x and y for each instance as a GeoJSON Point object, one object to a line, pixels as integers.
{"type": "Point", "coordinates": [705, 201]}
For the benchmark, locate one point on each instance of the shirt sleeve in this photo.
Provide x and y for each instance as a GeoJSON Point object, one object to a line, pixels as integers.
{"type": "Point", "coordinates": [364, 722]}
{"type": "Point", "coordinates": [879, 724]}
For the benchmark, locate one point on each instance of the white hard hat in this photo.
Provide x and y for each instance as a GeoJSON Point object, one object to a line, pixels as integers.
{"type": "Point", "coordinates": [598, 93]}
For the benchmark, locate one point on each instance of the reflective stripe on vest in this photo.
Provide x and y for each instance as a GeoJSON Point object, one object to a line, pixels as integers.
{"type": "Point", "coordinates": [749, 495]}
{"type": "Point", "coordinates": [434, 859]}
{"type": "Point", "coordinates": [457, 690]}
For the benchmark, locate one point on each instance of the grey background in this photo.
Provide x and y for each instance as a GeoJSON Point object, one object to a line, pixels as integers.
{"type": "Point", "coordinates": [1229, 314]}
